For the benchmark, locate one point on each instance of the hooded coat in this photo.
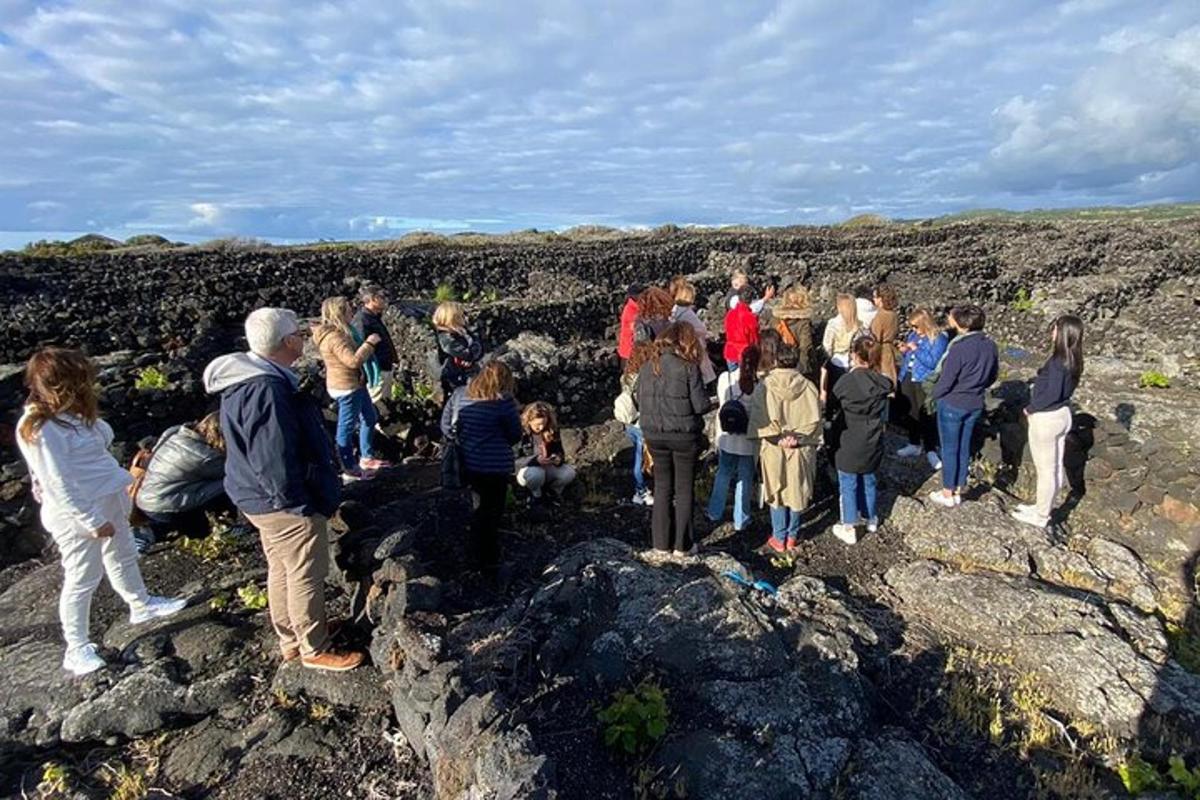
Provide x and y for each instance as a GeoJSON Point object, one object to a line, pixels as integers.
{"type": "Point", "coordinates": [277, 454]}
{"type": "Point", "coordinates": [184, 473]}
{"type": "Point", "coordinates": [786, 402]}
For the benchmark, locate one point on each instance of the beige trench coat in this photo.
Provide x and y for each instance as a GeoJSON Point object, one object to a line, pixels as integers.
{"type": "Point", "coordinates": [786, 402]}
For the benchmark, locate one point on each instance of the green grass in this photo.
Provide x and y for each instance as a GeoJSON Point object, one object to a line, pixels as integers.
{"type": "Point", "coordinates": [1023, 301]}
{"type": "Point", "coordinates": [445, 293]}
{"type": "Point", "coordinates": [1153, 379]}
{"type": "Point", "coordinates": [151, 378]}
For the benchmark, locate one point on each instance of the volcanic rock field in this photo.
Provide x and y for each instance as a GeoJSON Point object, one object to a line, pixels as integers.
{"type": "Point", "coordinates": [954, 654]}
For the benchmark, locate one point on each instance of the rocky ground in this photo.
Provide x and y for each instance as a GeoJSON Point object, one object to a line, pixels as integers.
{"type": "Point", "coordinates": [953, 654]}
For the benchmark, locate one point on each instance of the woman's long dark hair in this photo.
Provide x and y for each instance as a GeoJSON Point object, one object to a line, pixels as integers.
{"type": "Point", "coordinates": [748, 369]}
{"type": "Point", "coordinates": [1068, 343]}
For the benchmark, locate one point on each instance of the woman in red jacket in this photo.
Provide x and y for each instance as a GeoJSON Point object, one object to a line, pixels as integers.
{"type": "Point", "coordinates": [629, 315]}
{"type": "Point", "coordinates": [741, 331]}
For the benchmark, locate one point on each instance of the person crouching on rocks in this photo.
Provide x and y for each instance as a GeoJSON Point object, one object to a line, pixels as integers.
{"type": "Point", "coordinates": [84, 494]}
{"type": "Point", "coordinates": [785, 416]}
{"type": "Point", "coordinates": [280, 473]}
{"type": "Point", "coordinates": [459, 350]}
{"type": "Point", "coordinates": [862, 394]}
{"type": "Point", "coordinates": [184, 480]}
{"type": "Point", "coordinates": [672, 403]}
{"type": "Point", "coordinates": [1049, 416]}
{"type": "Point", "coordinates": [543, 460]}
{"type": "Point", "coordinates": [488, 426]}
{"type": "Point", "coordinates": [969, 366]}
{"type": "Point", "coordinates": [347, 356]}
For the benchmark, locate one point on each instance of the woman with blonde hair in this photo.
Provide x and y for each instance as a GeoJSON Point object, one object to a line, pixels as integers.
{"type": "Point", "coordinates": [543, 461]}
{"type": "Point", "coordinates": [184, 480]}
{"type": "Point", "coordinates": [793, 323]}
{"type": "Point", "coordinates": [919, 357]}
{"type": "Point", "coordinates": [459, 350]}
{"type": "Point", "coordinates": [672, 403]}
{"type": "Point", "coordinates": [684, 311]}
{"type": "Point", "coordinates": [840, 333]}
{"type": "Point", "coordinates": [346, 353]}
{"type": "Point", "coordinates": [84, 494]}
{"type": "Point", "coordinates": [482, 417]}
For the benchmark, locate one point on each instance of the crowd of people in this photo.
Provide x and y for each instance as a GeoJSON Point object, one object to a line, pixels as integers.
{"type": "Point", "coordinates": [266, 457]}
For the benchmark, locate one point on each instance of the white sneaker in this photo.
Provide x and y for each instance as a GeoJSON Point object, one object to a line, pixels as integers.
{"type": "Point", "coordinates": [846, 533]}
{"type": "Point", "coordinates": [909, 451]}
{"type": "Point", "coordinates": [1025, 508]}
{"type": "Point", "coordinates": [638, 499]}
{"type": "Point", "coordinates": [941, 499]}
{"type": "Point", "coordinates": [872, 525]}
{"type": "Point", "coordinates": [157, 608]}
{"type": "Point", "coordinates": [933, 459]}
{"type": "Point", "coordinates": [1028, 517]}
{"type": "Point", "coordinates": [83, 660]}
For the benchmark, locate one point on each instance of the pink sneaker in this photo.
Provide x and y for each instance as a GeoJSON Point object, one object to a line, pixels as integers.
{"type": "Point", "coordinates": [373, 464]}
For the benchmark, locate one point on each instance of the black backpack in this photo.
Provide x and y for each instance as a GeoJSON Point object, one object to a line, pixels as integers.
{"type": "Point", "coordinates": [733, 416]}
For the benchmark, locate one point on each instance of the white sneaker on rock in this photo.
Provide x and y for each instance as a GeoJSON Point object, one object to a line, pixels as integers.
{"type": "Point", "coordinates": [943, 500]}
{"type": "Point", "coordinates": [872, 525]}
{"type": "Point", "coordinates": [909, 451]}
{"type": "Point", "coordinates": [932, 458]}
{"type": "Point", "coordinates": [157, 608]}
{"type": "Point", "coordinates": [845, 533]}
{"type": "Point", "coordinates": [1025, 508]}
{"type": "Point", "coordinates": [1028, 517]}
{"type": "Point", "coordinates": [83, 660]}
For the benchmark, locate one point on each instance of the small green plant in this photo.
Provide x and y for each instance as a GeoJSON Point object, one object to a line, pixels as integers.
{"type": "Point", "coordinates": [54, 779]}
{"type": "Point", "coordinates": [126, 784]}
{"type": "Point", "coordinates": [1139, 776]}
{"type": "Point", "coordinates": [635, 720]}
{"type": "Point", "coordinates": [151, 378]}
{"type": "Point", "coordinates": [320, 712]}
{"type": "Point", "coordinates": [420, 394]}
{"type": "Point", "coordinates": [1153, 379]}
{"type": "Point", "coordinates": [445, 293]}
{"type": "Point", "coordinates": [252, 597]}
{"type": "Point", "coordinates": [219, 602]}
{"type": "Point", "coordinates": [1184, 641]}
{"type": "Point", "coordinates": [1022, 300]}
{"type": "Point", "coordinates": [215, 547]}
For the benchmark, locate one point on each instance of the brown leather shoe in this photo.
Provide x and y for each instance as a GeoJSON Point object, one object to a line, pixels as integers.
{"type": "Point", "coordinates": [333, 661]}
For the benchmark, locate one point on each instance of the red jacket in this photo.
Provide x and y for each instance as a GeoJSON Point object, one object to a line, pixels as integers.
{"type": "Point", "coordinates": [741, 331]}
{"type": "Point", "coordinates": [625, 337]}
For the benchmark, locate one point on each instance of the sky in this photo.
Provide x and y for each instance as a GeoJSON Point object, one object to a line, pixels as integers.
{"type": "Point", "coordinates": [293, 120]}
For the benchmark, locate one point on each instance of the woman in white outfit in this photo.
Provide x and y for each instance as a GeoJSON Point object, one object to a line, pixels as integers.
{"type": "Point", "coordinates": [1049, 416]}
{"type": "Point", "coordinates": [84, 496]}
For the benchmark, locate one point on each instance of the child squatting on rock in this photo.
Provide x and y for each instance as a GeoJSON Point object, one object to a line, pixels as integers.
{"type": "Point", "coordinates": [84, 494]}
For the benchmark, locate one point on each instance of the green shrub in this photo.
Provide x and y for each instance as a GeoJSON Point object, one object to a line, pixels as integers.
{"type": "Point", "coordinates": [252, 597]}
{"type": "Point", "coordinates": [1023, 301]}
{"type": "Point", "coordinates": [1139, 776]}
{"type": "Point", "coordinates": [54, 780]}
{"type": "Point", "coordinates": [635, 720]}
{"type": "Point", "coordinates": [214, 547]}
{"type": "Point", "coordinates": [445, 293]}
{"type": "Point", "coordinates": [151, 378]}
{"type": "Point", "coordinates": [420, 394]}
{"type": "Point", "coordinates": [1153, 379]}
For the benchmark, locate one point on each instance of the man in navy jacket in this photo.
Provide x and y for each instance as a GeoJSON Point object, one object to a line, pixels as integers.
{"type": "Point", "coordinates": [279, 471]}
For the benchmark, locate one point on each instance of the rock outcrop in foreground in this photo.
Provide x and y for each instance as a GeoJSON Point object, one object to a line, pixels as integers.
{"type": "Point", "coordinates": [954, 654]}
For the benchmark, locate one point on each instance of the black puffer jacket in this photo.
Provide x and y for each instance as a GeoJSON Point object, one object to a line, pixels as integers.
{"type": "Point", "coordinates": [672, 404]}
{"type": "Point", "coordinates": [183, 474]}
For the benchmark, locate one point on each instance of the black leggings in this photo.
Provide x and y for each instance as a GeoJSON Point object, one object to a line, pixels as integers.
{"type": "Point", "coordinates": [192, 523]}
{"type": "Point", "coordinates": [674, 474]}
{"type": "Point", "coordinates": [492, 489]}
{"type": "Point", "coordinates": [909, 409]}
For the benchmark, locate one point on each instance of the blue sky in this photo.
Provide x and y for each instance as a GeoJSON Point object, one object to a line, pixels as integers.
{"type": "Point", "coordinates": [297, 120]}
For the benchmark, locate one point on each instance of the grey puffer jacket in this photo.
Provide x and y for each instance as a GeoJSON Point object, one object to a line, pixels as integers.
{"type": "Point", "coordinates": [184, 473]}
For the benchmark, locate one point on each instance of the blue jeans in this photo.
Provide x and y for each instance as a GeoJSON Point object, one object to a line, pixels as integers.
{"type": "Point", "coordinates": [355, 410]}
{"type": "Point", "coordinates": [955, 429]}
{"type": "Point", "coordinates": [732, 365]}
{"type": "Point", "coordinates": [785, 522]}
{"type": "Point", "coordinates": [738, 470]}
{"type": "Point", "coordinates": [858, 496]}
{"type": "Point", "coordinates": [639, 477]}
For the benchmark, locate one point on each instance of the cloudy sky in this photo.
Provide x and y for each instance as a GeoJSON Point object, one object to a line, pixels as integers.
{"type": "Point", "coordinates": [363, 119]}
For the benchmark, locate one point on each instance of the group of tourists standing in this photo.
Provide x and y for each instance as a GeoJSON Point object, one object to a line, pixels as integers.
{"type": "Point", "coordinates": [266, 455]}
{"type": "Point", "coordinates": [779, 400]}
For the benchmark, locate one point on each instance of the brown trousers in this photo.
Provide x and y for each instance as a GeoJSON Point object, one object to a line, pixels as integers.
{"type": "Point", "coordinates": [297, 550]}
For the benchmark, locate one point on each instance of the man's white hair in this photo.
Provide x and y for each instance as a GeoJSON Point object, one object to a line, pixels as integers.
{"type": "Point", "coordinates": [266, 328]}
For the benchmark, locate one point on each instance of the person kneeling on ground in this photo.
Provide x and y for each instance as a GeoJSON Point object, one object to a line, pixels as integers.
{"type": "Point", "coordinates": [84, 497]}
{"type": "Point", "coordinates": [863, 395]}
{"type": "Point", "coordinates": [484, 414]}
{"type": "Point", "coordinates": [785, 416]}
{"type": "Point", "coordinates": [184, 480]}
{"type": "Point", "coordinates": [280, 472]}
{"type": "Point", "coordinates": [347, 355]}
{"type": "Point", "coordinates": [543, 460]}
